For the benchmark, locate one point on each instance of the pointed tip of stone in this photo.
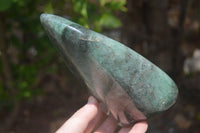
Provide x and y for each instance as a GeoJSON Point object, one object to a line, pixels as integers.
{"type": "Point", "coordinates": [44, 18]}
{"type": "Point", "coordinates": [50, 23]}
{"type": "Point", "coordinates": [53, 22]}
{"type": "Point", "coordinates": [55, 26]}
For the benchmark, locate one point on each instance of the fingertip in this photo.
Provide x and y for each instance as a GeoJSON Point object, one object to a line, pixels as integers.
{"type": "Point", "coordinates": [92, 100]}
{"type": "Point", "coordinates": [140, 127]}
{"type": "Point", "coordinates": [91, 108]}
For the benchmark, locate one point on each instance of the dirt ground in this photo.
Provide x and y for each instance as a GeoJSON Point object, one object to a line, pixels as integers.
{"type": "Point", "coordinates": [63, 96]}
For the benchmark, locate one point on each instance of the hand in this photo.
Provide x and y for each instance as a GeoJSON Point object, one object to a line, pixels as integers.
{"type": "Point", "coordinates": [87, 119]}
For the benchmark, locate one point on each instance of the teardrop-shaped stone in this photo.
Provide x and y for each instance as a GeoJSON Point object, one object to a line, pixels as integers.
{"type": "Point", "coordinates": [131, 87]}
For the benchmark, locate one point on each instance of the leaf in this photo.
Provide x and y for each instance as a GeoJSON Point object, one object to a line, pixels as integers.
{"type": "Point", "coordinates": [109, 21]}
{"type": "Point", "coordinates": [20, 3]}
{"type": "Point", "coordinates": [84, 10]}
{"type": "Point", "coordinates": [5, 4]}
{"type": "Point", "coordinates": [84, 22]}
{"type": "Point", "coordinates": [27, 94]}
{"type": "Point", "coordinates": [102, 2]}
{"type": "Point", "coordinates": [97, 26]}
{"type": "Point", "coordinates": [117, 5]}
{"type": "Point", "coordinates": [48, 8]}
{"type": "Point", "coordinates": [80, 6]}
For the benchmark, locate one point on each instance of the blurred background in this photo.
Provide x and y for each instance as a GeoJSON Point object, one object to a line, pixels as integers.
{"type": "Point", "coordinates": [37, 91]}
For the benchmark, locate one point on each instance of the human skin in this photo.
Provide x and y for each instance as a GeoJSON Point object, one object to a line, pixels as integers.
{"type": "Point", "coordinates": [90, 118]}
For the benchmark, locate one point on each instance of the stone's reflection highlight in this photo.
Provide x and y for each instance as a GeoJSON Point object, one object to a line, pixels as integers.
{"type": "Point", "coordinates": [131, 87]}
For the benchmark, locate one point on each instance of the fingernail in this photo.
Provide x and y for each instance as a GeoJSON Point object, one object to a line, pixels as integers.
{"type": "Point", "coordinates": [91, 99]}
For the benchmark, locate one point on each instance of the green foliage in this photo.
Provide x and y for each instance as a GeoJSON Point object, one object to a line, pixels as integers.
{"type": "Point", "coordinates": [109, 20]}
{"type": "Point", "coordinates": [49, 8]}
{"type": "Point", "coordinates": [26, 78]}
{"type": "Point", "coordinates": [116, 5]}
{"type": "Point", "coordinates": [5, 4]}
{"type": "Point", "coordinates": [98, 15]}
{"type": "Point", "coordinates": [24, 33]}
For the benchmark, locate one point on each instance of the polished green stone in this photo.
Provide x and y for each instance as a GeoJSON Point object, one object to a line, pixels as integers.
{"type": "Point", "coordinates": [131, 87]}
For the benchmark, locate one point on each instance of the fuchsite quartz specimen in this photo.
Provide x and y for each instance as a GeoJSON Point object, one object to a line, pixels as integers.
{"type": "Point", "coordinates": [131, 87]}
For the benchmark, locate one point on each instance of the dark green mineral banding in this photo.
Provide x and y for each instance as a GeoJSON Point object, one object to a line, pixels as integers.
{"type": "Point", "coordinates": [112, 71]}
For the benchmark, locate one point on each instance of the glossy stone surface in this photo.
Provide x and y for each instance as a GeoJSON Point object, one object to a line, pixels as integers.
{"type": "Point", "coordinates": [131, 87]}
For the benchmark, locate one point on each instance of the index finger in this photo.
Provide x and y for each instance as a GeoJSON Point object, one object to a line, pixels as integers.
{"type": "Point", "coordinates": [80, 120]}
{"type": "Point", "coordinates": [140, 127]}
